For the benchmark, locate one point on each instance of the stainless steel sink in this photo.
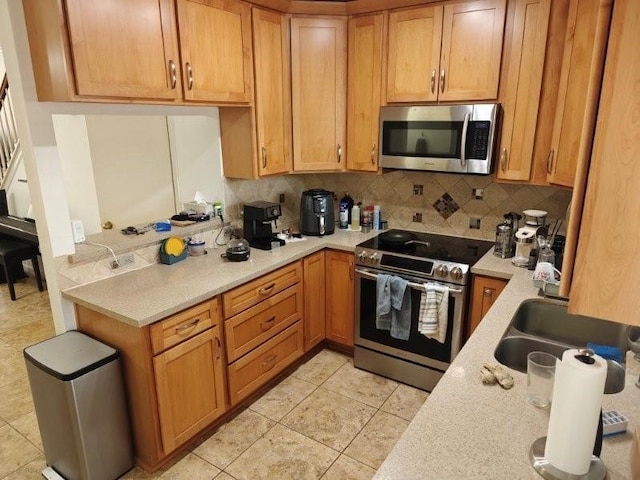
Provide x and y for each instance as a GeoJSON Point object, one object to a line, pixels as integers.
{"type": "Point", "coordinates": [545, 326]}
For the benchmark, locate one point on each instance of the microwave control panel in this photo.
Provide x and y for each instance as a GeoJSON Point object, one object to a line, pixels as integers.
{"type": "Point", "coordinates": [478, 139]}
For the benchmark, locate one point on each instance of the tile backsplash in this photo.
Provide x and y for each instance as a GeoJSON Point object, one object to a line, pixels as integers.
{"type": "Point", "coordinates": [453, 204]}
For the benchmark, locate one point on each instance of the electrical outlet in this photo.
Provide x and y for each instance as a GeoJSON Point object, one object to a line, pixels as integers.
{"type": "Point", "coordinates": [281, 198]}
{"type": "Point", "coordinates": [123, 261]}
{"type": "Point", "coordinates": [417, 217]}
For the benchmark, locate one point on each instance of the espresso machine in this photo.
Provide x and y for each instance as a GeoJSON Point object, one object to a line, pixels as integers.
{"type": "Point", "coordinates": [258, 219]}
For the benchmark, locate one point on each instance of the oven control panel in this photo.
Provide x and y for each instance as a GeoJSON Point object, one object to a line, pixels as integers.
{"type": "Point", "coordinates": [438, 270]}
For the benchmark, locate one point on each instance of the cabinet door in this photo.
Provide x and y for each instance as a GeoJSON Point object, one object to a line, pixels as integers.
{"type": "Point", "coordinates": [605, 278]}
{"type": "Point", "coordinates": [318, 88]}
{"type": "Point", "coordinates": [523, 78]}
{"type": "Point", "coordinates": [314, 300]}
{"type": "Point", "coordinates": [340, 297]}
{"type": "Point", "coordinates": [414, 54]}
{"type": "Point", "coordinates": [190, 386]}
{"type": "Point", "coordinates": [580, 82]}
{"type": "Point", "coordinates": [484, 293]}
{"type": "Point", "coordinates": [273, 91]}
{"type": "Point", "coordinates": [363, 94]}
{"type": "Point", "coordinates": [471, 50]}
{"type": "Point", "coordinates": [124, 49]}
{"type": "Point", "coordinates": [215, 45]}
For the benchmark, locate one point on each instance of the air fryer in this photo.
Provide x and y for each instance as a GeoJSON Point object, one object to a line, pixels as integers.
{"type": "Point", "coordinates": [316, 212]}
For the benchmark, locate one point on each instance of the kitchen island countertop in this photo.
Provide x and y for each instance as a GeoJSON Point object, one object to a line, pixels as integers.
{"type": "Point", "coordinates": [467, 430]}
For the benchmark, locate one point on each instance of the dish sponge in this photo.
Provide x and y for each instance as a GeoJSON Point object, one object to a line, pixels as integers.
{"type": "Point", "coordinates": [606, 351]}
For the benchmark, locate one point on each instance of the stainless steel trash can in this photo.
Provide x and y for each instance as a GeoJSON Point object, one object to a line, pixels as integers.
{"type": "Point", "coordinates": [77, 389]}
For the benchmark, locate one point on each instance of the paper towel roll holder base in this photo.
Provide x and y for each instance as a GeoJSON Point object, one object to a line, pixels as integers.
{"type": "Point", "coordinates": [597, 470]}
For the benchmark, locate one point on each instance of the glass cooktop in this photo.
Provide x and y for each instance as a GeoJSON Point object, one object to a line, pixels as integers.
{"type": "Point", "coordinates": [440, 247]}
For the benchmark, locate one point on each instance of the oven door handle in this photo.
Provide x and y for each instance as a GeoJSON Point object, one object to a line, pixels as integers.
{"type": "Point", "coordinates": [373, 276]}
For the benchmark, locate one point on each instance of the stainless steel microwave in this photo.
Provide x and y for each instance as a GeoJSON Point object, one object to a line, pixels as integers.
{"type": "Point", "coordinates": [441, 138]}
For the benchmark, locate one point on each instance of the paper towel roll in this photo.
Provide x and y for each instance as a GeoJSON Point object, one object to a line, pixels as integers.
{"type": "Point", "coordinates": [578, 389]}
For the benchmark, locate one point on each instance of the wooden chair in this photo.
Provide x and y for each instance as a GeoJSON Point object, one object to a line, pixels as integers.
{"type": "Point", "coordinates": [12, 252]}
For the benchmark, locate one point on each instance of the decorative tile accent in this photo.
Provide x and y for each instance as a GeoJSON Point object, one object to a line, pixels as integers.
{"type": "Point", "coordinates": [446, 206]}
{"type": "Point", "coordinates": [474, 223]}
{"type": "Point", "coordinates": [418, 190]}
{"type": "Point", "coordinates": [417, 217]}
{"type": "Point", "coordinates": [478, 193]}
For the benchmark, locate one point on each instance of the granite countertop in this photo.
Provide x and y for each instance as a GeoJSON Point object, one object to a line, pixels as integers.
{"type": "Point", "coordinates": [464, 430]}
{"type": "Point", "coordinates": [469, 430]}
{"type": "Point", "coordinates": [141, 297]}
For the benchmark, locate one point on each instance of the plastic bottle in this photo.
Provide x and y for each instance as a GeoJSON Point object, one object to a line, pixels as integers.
{"type": "Point", "coordinates": [348, 201]}
{"type": "Point", "coordinates": [376, 217]}
{"type": "Point", "coordinates": [345, 211]}
{"type": "Point", "coordinates": [355, 218]}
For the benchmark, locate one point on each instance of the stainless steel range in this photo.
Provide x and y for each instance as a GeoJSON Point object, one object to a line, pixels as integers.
{"type": "Point", "coordinates": [418, 258]}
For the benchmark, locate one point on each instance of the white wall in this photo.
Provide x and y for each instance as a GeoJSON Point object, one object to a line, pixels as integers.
{"type": "Point", "coordinates": [197, 158]}
{"type": "Point", "coordinates": [132, 168]}
{"type": "Point", "coordinates": [2, 67]}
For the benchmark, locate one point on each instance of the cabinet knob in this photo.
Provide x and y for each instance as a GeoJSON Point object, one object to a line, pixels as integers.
{"type": "Point", "coordinates": [189, 76]}
{"type": "Point", "coordinates": [174, 78]}
{"type": "Point", "coordinates": [442, 76]}
{"type": "Point", "coordinates": [488, 292]}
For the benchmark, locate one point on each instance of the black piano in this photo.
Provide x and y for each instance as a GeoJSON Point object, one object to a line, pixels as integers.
{"type": "Point", "coordinates": [18, 227]}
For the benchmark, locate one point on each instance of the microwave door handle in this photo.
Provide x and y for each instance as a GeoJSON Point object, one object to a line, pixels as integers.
{"type": "Point", "coordinates": [463, 140]}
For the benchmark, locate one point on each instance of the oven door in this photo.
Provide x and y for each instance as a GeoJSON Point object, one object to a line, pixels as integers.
{"type": "Point", "coordinates": [418, 348]}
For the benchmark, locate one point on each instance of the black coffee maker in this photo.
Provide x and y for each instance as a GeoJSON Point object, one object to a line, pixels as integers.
{"type": "Point", "coordinates": [258, 219]}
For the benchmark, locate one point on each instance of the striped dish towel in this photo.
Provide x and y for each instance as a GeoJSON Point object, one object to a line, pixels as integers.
{"type": "Point", "coordinates": [434, 312]}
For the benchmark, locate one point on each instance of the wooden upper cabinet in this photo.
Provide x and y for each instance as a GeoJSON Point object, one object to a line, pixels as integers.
{"type": "Point", "coordinates": [318, 88]}
{"type": "Point", "coordinates": [579, 89]}
{"type": "Point", "coordinates": [472, 35]}
{"type": "Point", "coordinates": [273, 91]}
{"type": "Point", "coordinates": [215, 45]}
{"type": "Point", "coordinates": [445, 53]}
{"type": "Point", "coordinates": [605, 278]}
{"type": "Point", "coordinates": [414, 54]}
{"type": "Point", "coordinates": [103, 52]}
{"type": "Point", "coordinates": [522, 76]}
{"type": "Point", "coordinates": [364, 91]}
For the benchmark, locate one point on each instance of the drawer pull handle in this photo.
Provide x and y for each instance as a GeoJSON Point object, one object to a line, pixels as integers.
{"type": "Point", "coordinates": [488, 292]}
{"type": "Point", "coordinates": [503, 160]}
{"type": "Point", "coordinates": [266, 290]}
{"type": "Point", "coordinates": [433, 81]}
{"type": "Point", "coordinates": [269, 362]}
{"type": "Point", "coordinates": [187, 326]}
{"type": "Point", "coordinates": [264, 157]}
{"type": "Point", "coordinates": [550, 162]}
{"type": "Point", "coordinates": [267, 324]}
{"type": "Point", "coordinates": [373, 154]}
{"type": "Point", "coordinates": [442, 77]}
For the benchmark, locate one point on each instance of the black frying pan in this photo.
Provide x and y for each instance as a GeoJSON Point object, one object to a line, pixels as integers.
{"type": "Point", "coordinates": [399, 238]}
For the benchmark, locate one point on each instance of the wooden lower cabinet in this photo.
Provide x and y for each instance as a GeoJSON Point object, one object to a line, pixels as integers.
{"type": "Point", "coordinates": [314, 300]}
{"type": "Point", "coordinates": [484, 292]}
{"type": "Point", "coordinates": [340, 295]}
{"type": "Point", "coordinates": [191, 388]}
{"type": "Point", "coordinates": [253, 370]}
{"type": "Point", "coordinates": [175, 387]}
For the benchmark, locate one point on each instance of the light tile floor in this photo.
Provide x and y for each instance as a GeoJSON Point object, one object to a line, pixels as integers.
{"type": "Point", "coordinates": [326, 420]}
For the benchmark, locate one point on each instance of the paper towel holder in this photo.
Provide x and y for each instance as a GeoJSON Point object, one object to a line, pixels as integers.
{"type": "Point", "coordinates": [597, 470]}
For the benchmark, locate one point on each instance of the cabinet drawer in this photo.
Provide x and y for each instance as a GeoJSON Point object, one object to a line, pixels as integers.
{"type": "Point", "coordinates": [265, 362]}
{"type": "Point", "coordinates": [247, 295]}
{"type": "Point", "coordinates": [181, 326]}
{"type": "Point", "coordinates": [248, 329]}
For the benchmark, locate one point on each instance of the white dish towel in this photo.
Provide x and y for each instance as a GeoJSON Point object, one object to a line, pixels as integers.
{"type": "Point", "coordinates": [434, 312]}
